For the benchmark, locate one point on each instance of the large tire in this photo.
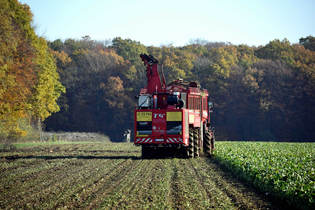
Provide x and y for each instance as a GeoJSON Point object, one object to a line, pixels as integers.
{"type": "Point", "coordinates": [207, 143]}
{"type": "Point", "coordinates": [191, 143]}
{"type": "Point", "coordinates": [212, 142]}
{"type": "Point", "coordinates": [185, 152]}
{"type": "Point", "coordinates": [145, 152]}
{"type": "Point", "coordinates": [196, 142]}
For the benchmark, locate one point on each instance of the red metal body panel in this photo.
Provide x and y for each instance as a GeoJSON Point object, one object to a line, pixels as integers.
{"type": "Point", "coordinates": [158, 123]}
{"type": "Point", "coordinates": [154, 83]}
{"type": "Point", "coordinates": [159, 132]}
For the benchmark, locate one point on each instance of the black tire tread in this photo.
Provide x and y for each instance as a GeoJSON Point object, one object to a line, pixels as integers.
{"type": "Point", "coordinates": [196, 145]}
{"type": "Point", "coordinates": [207, 143]}
{"type": "Point", "coordinates": [191, 143]}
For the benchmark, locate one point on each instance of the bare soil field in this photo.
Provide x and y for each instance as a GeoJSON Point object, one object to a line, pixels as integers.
{"type": "Point", "coordinates": [113, 175]}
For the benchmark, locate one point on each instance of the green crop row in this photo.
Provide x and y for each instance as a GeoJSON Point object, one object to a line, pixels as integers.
{"type": "Point", "coordinates": [284, 170]}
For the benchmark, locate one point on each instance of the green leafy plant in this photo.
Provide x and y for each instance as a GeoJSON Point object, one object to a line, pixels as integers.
{"type": "Point", "coordinates": [285, 170]}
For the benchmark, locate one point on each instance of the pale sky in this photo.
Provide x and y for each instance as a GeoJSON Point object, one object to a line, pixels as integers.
{"type": "Point", "coordinates": [163, 22]}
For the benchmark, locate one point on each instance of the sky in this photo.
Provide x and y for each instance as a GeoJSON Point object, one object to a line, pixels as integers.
{"type": "Point", "coordinates": [175, 22]}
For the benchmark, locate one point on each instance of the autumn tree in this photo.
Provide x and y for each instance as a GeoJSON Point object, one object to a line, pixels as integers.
{"type": "Point", "coordinates": [48, 87]}
{"type": "Point", "coordinates": [29, 84]}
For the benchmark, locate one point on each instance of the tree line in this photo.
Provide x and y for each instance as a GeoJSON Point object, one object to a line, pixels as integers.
{"type": "Point", "coordinates": [260, 93]}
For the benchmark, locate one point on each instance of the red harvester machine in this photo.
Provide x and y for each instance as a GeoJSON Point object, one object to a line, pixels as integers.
{"type": "Point", "coordinates": [172, 119]}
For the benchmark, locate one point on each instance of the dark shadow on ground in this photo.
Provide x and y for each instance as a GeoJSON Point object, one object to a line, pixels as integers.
{"type": "Point", "coordinates": [102, 151]}
{"type": "Point", "coordinates": [52, 157]}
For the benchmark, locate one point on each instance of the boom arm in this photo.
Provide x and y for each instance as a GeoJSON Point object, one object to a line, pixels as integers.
{"type": "Point", "coordinates": [154, 81]}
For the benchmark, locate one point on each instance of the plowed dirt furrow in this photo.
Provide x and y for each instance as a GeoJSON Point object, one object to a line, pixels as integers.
{"type": "Point", "coordinates": [175, 193]}
{"type": "Point", "coordinates": [213, 196]}
{"type": "Point", "coordinates": [111, 176]}
{"type": "Point", "coordinates": [8, 167]}
{"type": "Point", "coordinates": [153, 190]}
{"type": "Point", "coordinates": [139, 186]}
{"type": "Point", "coordinates": [25, 172]}
{"type": "Point", "coordinates": [111, 194]}
{"type": "Point", "coordinates": [242, 196]}
{"type": "Point", "coordinates": [48, 183]}
{"type": "Point", "coordinates": [32, 180]}
{"type": "Point", "coordinates": [73, 197]}
{"type": "Point", "coordinates": [91, 188]}
{"type": "Point", "coordinates": [189, 192]}
{"type": "Point", "coordinates": [206, 187]}
{"type": "Point", "coordinates": [23, 167]}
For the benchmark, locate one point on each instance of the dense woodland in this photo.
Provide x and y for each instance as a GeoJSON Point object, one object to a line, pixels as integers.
{"type": "Point", "coordinates": [259, 93]}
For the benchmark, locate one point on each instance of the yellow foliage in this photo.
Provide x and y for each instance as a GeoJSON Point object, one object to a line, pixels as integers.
{"type": "Point", "coordinates": [48, 87]}
{"type": "Point", "coordinates": [29, 83]}
{"type": "Point", "coordinates": [62, 57]}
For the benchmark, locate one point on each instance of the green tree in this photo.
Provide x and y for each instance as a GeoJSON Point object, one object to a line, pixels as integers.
{"type": "Point", "coordinates": [48, 87]}
{"type": "Point", "coordinates": [24, 66]}
{"type": "Point", "coordinates": [128, 49]}
{"type": "Point", "coordinates": [277, 50]}
{"type": "Point", "coordinates": [308, 42]}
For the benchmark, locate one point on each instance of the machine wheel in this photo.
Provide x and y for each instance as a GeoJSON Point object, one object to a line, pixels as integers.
{"type": "Point", "coordinates": [207, 143]}
{"type": "Point", "coordinates": [184, 152]}
{"type": "Point", "coordinates": [145, 152]}
{"type": "Point", "coordinates": [191, 143]}
{"type": "Point", "coordinates": [212, 142]}
{"type": "Point", "coordinates": [196, 142]}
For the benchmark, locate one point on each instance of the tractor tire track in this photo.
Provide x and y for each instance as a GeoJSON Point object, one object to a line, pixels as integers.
{"type": "Point", "coordinates": [139, 179]}
{"type": "Point", "coordinates": [76, 196]}
{"type": "Point", "coordinates": [241, 195]}
{"type": "Point", "coordinates": [114, 184]}
{"type": "Point", "coordinates": [92, 190]}
{"type": "Point", "coordinates": [175, 188]}
{"type": "Point", "coordinates": [209, 187]}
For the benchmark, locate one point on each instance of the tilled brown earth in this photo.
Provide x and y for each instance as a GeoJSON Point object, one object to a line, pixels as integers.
{"type": "Point", "coordinates": [106, 176]}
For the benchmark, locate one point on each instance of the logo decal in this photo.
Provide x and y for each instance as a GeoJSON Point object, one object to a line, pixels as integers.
{"type": "Point", "coordinates": [158, 116]}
